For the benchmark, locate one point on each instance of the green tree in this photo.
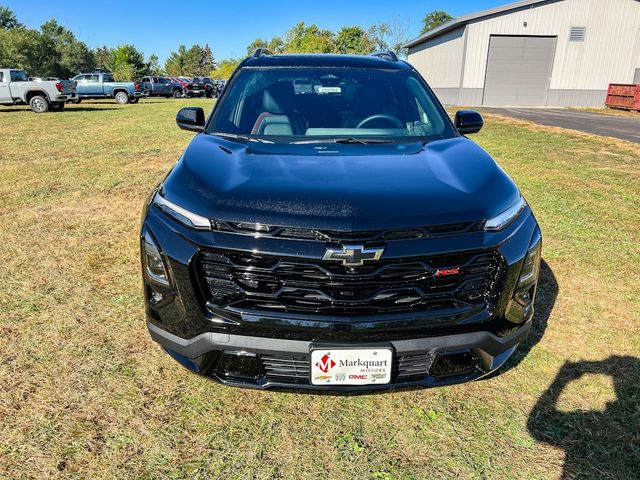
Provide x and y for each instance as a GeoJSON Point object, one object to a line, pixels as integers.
{"type": "Point", "coordinates": [8, 19]}
{"type": "Point", "coordinates": [390, 35]}
{"type": "Point", "coordinates": [309, 39]}
{"type": "Point", "coordinates": [153, 65]}
{"type": "Point", "coordinates": [104, 58]}
{"type": "Point", "coordinates": [434, 19]}
{"type": "Point", "coordinates": [354, 40]}
{"type": "Point", "coordinates": [29, 50]}
{"type": "Point", "coordinates": [175, 64]}
{"type": "Point", "coordinates": [128, 63]}
{"type": "Point", "coordinates": [255, 45]}
{"type": "Point", "coordinates": [225, 68]}
{"type": "Point", "coordinates": [208, 62]}
{"type": "Point", "coordinates": [71, 56]}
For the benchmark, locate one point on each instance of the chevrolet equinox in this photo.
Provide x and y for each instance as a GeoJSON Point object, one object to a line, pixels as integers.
{"type": "Point", "coordinates": [329, 227]}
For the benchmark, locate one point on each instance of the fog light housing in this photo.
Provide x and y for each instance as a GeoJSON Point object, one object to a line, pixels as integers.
{"type": "Point", "coordinates": [521, 306]}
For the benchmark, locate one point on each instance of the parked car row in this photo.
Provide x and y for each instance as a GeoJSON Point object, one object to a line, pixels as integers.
{"type": "Point", "coordinates": [51, 93]}
{"type": "Point", "coordinates": [183, 86]}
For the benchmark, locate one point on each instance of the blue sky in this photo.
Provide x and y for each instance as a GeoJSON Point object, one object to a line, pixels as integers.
{"type": "Point", "coordinates": [159, 26]}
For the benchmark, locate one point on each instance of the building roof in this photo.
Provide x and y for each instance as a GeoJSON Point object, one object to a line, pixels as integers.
{"type": "Point", "coordinates": [460, 21]}
{"type": "Point", "coordinates": [324, 60]}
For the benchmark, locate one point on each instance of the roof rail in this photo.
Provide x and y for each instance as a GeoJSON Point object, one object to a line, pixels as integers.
{"type": "Point", "coordinates": [386, 54]}
{"type": "Point", "coordinates": [261, 52]}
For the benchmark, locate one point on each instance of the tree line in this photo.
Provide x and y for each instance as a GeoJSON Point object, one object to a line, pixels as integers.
{"type": "Point", "coordinates": [53, 50]}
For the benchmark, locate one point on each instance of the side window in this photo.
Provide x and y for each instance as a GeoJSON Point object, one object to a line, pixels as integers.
{"type": "Point", "coordinates": [19, 76]}
{"type": "Point", "coordinates": [106, 78]}
{"type": "Point", "coordinates": [92, 78]}
{"type": "Point", "coordinates": [146, 79]}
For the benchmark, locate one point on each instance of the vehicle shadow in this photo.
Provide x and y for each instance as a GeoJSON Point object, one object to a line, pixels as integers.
{"type": "Point", "coordinates": [597, 443]}
{"type": "Point", "coordinates": [545, 300]}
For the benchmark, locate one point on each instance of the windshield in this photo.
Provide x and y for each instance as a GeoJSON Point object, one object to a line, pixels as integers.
{"type": "Point", "coordinates": [301, 104]}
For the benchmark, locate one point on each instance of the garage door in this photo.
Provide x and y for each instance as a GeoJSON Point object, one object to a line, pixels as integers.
{"type": "Point", "coordinates": [518, 70]}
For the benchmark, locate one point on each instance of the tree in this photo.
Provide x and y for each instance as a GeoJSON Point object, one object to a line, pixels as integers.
{"type": "Point", "coordinates": [225, 68]}
{"type": "Point", "coordinates": [255, 45]}
{"type": "Point", "coordinates": [8, 19]}
{"type": "Point", "coordinates": [390, 35]}
{"type": "Point", "coordinates": [434, 19]}
{"type": "Point", "coordinates": [175, 64]}
{"type": "Point", "coordinates": [354, 40]}
{"type": "Point", "coordinates": [104, 58]}
{"type": "Point", "coordinates": [208, 62]}
{"type": "Point", "coordinates": [27, 49]}
{"type": "Point", "coordinates": [153, 65]}
{"type": "Point", "coordinates": [71, 56]}
{"type": "Point", "coordinates": [128, 63]}
{"type": "Point", "coordinates": [275, 45]}
{"type": "Point", "coordinates": [309, 39]}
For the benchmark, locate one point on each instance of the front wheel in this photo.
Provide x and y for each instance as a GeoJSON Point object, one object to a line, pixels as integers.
{"type": "Point", "coordinates": [122, 98]}
{"type": "Point", "coordinates": [39, 104]}
{"type": "Point", "coordinates": [56, 106]}
{"type": "Point", "coordinates": [177, 93]}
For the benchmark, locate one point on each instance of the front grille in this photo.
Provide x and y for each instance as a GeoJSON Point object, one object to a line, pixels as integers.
{"type": "Point", "coordinates": [295, 369]}
{"type": "Point", "coordinates": [240, 281]}
{"type": "Point", "coordinates": [285, 369]}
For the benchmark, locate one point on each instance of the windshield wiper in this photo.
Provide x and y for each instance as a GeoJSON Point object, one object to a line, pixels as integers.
{"type": "Point", "coordinates": [240, 136]}
{"type": "Point", "coordinates": [363, 141]}
{"type": "Point", "coordinates": [345, 141]}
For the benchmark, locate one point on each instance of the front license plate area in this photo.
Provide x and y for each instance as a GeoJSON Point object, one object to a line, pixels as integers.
{"type": "Point", "coordinates": [351, 366]}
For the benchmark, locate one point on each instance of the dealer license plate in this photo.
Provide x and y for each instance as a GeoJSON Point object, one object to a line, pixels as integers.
{"type": "Point", "coordinates": [351, 366]}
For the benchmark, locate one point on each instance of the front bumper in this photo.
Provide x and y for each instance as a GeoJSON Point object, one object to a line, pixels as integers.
{"type": "Point", "coordinates": [246, 361]}
{"type": "Point", "coordinates": [438, 347]}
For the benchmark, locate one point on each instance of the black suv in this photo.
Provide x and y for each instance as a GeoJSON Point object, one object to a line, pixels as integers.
{"type": "Point", "coordinates": [343, 236]}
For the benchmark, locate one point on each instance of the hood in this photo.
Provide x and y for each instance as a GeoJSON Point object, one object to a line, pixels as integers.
{"type": "Point", "coordinates": [340, 187]}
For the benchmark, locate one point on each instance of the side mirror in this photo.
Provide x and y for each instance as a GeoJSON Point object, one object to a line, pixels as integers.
{"type": "Point", "coordinates": [191, 119]}
{"type": "Point", "coordinates": [468, 121]}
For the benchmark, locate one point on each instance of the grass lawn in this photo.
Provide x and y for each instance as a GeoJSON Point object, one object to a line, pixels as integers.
{"type": "Point", "coordinates": [84, 392]}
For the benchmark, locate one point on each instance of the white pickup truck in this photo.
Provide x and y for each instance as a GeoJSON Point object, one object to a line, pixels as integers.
{"type": "Point", "coordinates": [40, 95]}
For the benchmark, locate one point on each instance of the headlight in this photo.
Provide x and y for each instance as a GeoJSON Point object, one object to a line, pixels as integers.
{"type": "Point", "coordinates": [505, 218]}
{"type": "Point", "coordinates": [180, 214]}
{"type": "Point", "coordinates": [154, 267]}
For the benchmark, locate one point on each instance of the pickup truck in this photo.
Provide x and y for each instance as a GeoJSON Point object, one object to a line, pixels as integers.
{"type": "Point", "coordinates": [103, 85]}
{"type": "Point", "coordinates": [161, 87]}
{"type": "Point", "coordinates": [41, 96]}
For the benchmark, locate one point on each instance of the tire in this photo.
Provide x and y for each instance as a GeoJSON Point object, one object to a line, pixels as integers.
{"type": "Point", "coordinates": [135, 100]}
{"type": "Point", "coordinates": [209, 95]}
{"type": "Point", "coordinates": [177, 93]}
{"type": "Point", "coordinates": [39, 104]}
{"type": "Point", "coordinates": [56, 106]}
{"type": "Point", "coordinates": [79, 100]}
{"type": "Point", "coordinates": [122, 98]}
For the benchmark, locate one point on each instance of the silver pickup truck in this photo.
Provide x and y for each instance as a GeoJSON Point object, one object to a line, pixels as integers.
{"type": "Point", "coordinates": [40, 95]}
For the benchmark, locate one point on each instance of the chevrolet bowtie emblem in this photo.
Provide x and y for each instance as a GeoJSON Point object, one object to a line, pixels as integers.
{"type": "Point", "coordinates": [353, 255]}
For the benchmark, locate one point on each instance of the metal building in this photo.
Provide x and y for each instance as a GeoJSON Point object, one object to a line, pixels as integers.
{"type": "Point", "coordinates": [533, 53]}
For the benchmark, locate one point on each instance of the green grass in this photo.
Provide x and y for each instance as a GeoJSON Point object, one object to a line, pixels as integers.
{"type": "Point", "coordinates": [84, 392]}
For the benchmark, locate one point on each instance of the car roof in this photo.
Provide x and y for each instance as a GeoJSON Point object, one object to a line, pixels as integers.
{"type": "Point", "coordinates": [325, 60]}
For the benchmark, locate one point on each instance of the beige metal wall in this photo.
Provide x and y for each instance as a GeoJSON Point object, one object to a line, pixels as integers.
{"type": "Point", "coordinates": [439, 61]}
{"type": "Point", "coordinates": [610, 52]}
{"type": "Point", "coordinates": [456, 67]}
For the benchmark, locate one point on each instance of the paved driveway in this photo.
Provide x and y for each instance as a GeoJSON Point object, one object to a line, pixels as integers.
{"type": "Point", "coordinates": [625, 128]}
